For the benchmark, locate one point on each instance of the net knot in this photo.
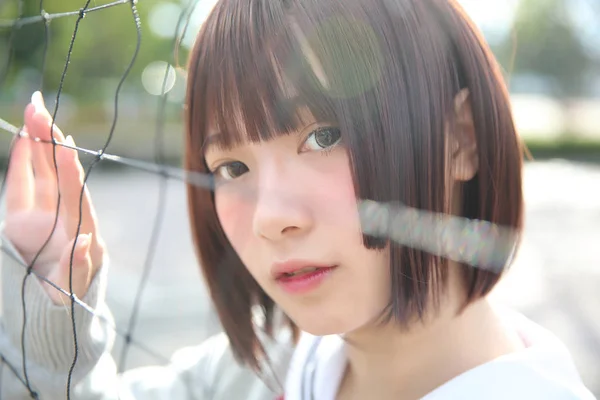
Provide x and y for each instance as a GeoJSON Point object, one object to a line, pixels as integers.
{"type": "Point", "coordinates": [99, 156]}
{"type": "Point", "coordinates": [82, 13]}
{"type": "Point", "coordinates": [45, 16]}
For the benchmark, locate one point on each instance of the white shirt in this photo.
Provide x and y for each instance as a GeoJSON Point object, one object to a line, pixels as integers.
{"type": "Point", "coordinates": [543, 370]}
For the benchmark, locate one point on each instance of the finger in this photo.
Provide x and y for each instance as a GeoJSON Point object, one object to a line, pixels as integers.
{"type": "Point", "coordinates": [78, 209]}
{"type": "Point", "coordinates": [41, 120]}
{"type": "Point", "coordinates": [71, 184]}
{"type": "Point", "coordinates": [46, 193]}
{"type": "Point", "coordinates": [19, 179]}
{"type": "Point", "coordinates": [38, 128]}
{"type": "Point", "coordinates": [71, 179]}
{"type": "Point", "coordinates": [76, 262]}
{"type": "Point", "coordinates": [45, 179]}
{"type": "Point", "coordinates": [39, 123]}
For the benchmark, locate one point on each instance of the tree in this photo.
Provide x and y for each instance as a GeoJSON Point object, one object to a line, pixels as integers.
{"type": "Point", "coordinates": [548, 45]}
{"type": "Point", "coordinates": [105, 43]}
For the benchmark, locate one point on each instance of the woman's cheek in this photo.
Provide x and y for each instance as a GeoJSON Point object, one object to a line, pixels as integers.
{"type": "Point", "coordinates": [235, 216]}
{"type": "Point", "coordinates": [340, 195]}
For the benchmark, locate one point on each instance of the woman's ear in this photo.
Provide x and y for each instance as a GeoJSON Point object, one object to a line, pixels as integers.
{"type": "Point", "coordinates": [461, 140]}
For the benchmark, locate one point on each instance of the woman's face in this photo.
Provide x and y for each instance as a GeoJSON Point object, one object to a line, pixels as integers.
{"type": "Point", "coordinates": [288, 204]}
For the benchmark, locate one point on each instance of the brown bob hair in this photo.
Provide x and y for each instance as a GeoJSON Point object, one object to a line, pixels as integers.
{"type": "Point", "coordinates": [386, 71]}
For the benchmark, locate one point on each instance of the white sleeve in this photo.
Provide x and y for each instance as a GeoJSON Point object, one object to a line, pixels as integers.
{"type": "Point", "coordinates": [49, 339]}
{"type": "Point", "coordinates": [207, 371]}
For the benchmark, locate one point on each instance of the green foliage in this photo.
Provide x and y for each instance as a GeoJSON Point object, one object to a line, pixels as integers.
{"type": "Point", "coordinates": [548, 44]}
{"type": "Point", "coordinates": [103, 48]}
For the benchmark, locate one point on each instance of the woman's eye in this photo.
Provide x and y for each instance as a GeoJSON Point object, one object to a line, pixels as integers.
{"type": "Point", "coordinates": [230, 170]}
{"type": "Point", "coordinates": [322, 138]}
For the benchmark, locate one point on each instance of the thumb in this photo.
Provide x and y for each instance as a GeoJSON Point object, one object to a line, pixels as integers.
{"type": "Point", "coordinates": [81, 270]}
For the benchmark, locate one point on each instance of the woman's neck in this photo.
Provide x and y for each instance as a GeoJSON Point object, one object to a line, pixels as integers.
{"type": "Point", "coordinates": [387, 363]}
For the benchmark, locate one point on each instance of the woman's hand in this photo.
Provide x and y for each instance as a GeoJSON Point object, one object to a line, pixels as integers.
{"type": "Point", "coordinates": [32, 201]}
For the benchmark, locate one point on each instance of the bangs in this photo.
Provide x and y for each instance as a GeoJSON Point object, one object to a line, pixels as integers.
{"type": "Point", "coordinates": [258, 73]}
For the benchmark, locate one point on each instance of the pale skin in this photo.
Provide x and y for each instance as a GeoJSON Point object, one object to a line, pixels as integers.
{"type": "Point", "coordinates": [31, 203]}
{"type": "Point", "coordinates": [304, 206]}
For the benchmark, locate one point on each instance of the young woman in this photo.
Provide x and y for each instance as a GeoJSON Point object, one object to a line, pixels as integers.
{"type": "Point", "coordinates": [301, 110]}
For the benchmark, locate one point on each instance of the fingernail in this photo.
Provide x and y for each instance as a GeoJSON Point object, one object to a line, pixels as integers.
{"type": "Point", "coordinates": [37, 100]}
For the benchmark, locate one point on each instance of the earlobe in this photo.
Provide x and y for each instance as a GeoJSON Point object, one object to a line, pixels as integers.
{"type": "Point", "coordinates": [462, 140]}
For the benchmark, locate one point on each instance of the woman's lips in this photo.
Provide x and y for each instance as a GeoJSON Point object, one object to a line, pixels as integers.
{"type": "Point", "coordinates": [303, 279]}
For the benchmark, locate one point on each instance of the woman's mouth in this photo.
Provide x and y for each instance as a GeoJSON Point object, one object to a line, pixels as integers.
{"type": "Point", "coordinates": [303, 279]}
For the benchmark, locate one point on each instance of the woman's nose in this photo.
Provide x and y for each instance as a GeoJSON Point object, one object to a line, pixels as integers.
{"type": "Point", "coordinates": [281, 210]}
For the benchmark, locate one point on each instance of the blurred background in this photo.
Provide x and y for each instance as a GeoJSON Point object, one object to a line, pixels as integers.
{"type": "Point", "coordinates": [549, 50]}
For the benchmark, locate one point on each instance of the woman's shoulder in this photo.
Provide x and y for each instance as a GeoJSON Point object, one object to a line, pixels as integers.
{"type": "Point", "coordinates": [516, 380]}
{"type": "Point", "coordinates": [211, 367]}
{"type": "Point", "coordinates": [544, 369]}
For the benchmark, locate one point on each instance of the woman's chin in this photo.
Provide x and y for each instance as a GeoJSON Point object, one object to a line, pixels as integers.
{"type": "Point", "coordinates": [321, 326]}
